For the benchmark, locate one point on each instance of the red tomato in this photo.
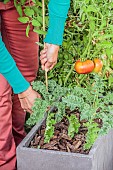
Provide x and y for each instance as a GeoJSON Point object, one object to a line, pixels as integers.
{"type": "Point", "coordinates": [84, 67]}
{"type": "Point", "coordinates": [98, 65]}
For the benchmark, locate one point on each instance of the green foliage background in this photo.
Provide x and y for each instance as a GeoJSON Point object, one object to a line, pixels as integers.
{"type": "Point", "coordinates": [92, 102]}
{"type": "Point", "coordinates": [88, 34]}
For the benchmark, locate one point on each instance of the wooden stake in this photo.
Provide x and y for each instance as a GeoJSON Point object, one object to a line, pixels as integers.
{"type": "Point", "coordinates": [43, 14]}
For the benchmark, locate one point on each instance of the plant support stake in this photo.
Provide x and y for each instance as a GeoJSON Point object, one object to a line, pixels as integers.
{"type": "Point", "coordinates": [43, 14]}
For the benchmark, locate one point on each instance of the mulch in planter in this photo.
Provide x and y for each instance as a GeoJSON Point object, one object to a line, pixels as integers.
{"type": "Point", "coordinates": [61, 141]}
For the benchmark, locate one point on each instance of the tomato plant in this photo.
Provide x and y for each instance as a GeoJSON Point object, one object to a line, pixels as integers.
{"type": "Point", "coordinates": [98, 65]}
{"type": "Point", "coordinates": [84, 67]}
{"type": "Point", "coordinates": [111, 64]}
{"type": "Point", "coordinates": [88, 33]}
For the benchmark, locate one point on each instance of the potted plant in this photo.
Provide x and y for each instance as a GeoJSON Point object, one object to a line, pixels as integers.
{"type": "Point", "coordinates": [75, 133]}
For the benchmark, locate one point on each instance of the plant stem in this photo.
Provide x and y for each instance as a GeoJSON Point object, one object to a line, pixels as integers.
{"type": "Point", "coordinates": [85, 52]}
{"type": "Point", "coordinates": [66, 79]}
{"type": "Point", "coordinates": [43, 14]}
{"type": "Point", "coordinates": [81, 80]}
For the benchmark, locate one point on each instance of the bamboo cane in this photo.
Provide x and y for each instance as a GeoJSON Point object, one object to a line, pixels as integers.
{"type": "Point", "coordinates": [43, 14]}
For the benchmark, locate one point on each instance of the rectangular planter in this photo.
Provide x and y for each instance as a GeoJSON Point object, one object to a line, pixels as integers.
{"type": "Point", "coordinates": [100, 156]}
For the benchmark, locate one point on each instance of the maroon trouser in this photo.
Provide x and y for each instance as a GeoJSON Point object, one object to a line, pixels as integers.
{"type": "Point", "coordinates": [25, 52]}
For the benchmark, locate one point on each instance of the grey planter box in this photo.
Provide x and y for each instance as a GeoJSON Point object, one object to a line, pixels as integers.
{"type": "Point", "coordinates": [99, 158]}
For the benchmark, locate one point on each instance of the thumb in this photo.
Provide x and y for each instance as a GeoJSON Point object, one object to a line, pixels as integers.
{"type": "Point", "coordinates": [39, 96]}
{"type": "Point", "coordinates": [48, 65]}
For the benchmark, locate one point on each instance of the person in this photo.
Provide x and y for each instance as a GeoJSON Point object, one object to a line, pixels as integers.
{"type": "Point", "coordinates": [18, 68]}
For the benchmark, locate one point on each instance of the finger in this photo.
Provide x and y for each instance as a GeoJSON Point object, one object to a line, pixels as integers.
{"type": "Point", "coordinates": [48, 65]}
{"type": "Point", "coordinates": [43, 67]}
{"type": "Point", "coordinates": [23, 105]}
{"type": "Point", "coordinates": [52, 66]}
{"type": "Point", "coordinates": [29, 103]}
{"type": "Point", "coordinates": [43, 61]}
{"type": "Point", "coordinates": [29, 111]}
{"type": "Point", "coordinates": [43, 51]}
{"type": "Point", "coordinates": [28, 107]}
{"type": "Point", "coordinates": [39, 96]}
{"type": "Point", "coordinates": [43, 56]}
{"type": "Point", "coordinates": [52, 58]}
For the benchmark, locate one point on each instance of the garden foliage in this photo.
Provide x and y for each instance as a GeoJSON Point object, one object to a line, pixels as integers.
{"type": "Point", "coordinates": [88, 34]}
{"type": "Point", "coordinates": [93, 102]}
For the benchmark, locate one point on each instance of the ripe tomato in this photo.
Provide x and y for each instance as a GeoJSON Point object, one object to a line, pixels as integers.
{"type": "Point", "coordinates": [84, 67]}
{"type": "Point", "coordinates": [98, 65]}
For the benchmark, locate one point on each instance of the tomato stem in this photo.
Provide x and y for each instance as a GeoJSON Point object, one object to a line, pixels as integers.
{"type": "Point", "coordinates": [82, 79]}
{"type": "Point", "coordinates": [88, 45]}
{"type": "Point", "coordinates": [69, 73]}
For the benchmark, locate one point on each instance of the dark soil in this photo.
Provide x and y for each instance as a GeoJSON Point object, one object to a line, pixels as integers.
{"type": "Point", "coordinates": [61, 141]}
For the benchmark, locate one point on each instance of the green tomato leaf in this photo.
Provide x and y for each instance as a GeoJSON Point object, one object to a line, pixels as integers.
{"type": "Point", "coordinates": [27, 30]}
{"type": "Point", "coordinates": [41, 32]}
{"type": "Point", "coordinates": [40, 44]}
{"type": "Point", "coordinates": [19, 9]}
{"type": "Point", "coordinates": [22, 2]}
{"type": "Point", "coordinates": [29, 12]}
{"type": "Point", "coordinates": [39, 18]}
{"type": "Point", "coordinates": [5, 1]}
{"type": "Point", "coordinates": [23, 19]}
{"type": "Point", "coordinates": [36, 23]}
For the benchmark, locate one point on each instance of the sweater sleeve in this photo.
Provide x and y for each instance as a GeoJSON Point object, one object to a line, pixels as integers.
{"type": "Point", "coordinates": [58, 10]}
{"type": "Point", "coordinates": [10, 71]}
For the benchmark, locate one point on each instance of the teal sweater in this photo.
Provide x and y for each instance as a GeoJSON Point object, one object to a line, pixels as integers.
{"type": "Point", "coordinates": [58, 10]}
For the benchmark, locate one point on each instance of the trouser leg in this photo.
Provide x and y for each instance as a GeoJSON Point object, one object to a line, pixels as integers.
{"type": "Point", "coordinates": [18, 120]}
{"type": "Point", "coordinates": [25, 52]}
{"type": "Point", "coordinates": [7, 144]}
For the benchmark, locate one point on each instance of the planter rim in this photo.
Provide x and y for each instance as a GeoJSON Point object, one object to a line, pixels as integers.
{"type": "Point", "coordinates": [26, 141]}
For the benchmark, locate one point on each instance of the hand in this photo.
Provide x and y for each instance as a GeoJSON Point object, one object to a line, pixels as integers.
{"type": "Point", "coordinates": [27, 99]}
{"type": "Point", "coordinates": [48, 56]}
